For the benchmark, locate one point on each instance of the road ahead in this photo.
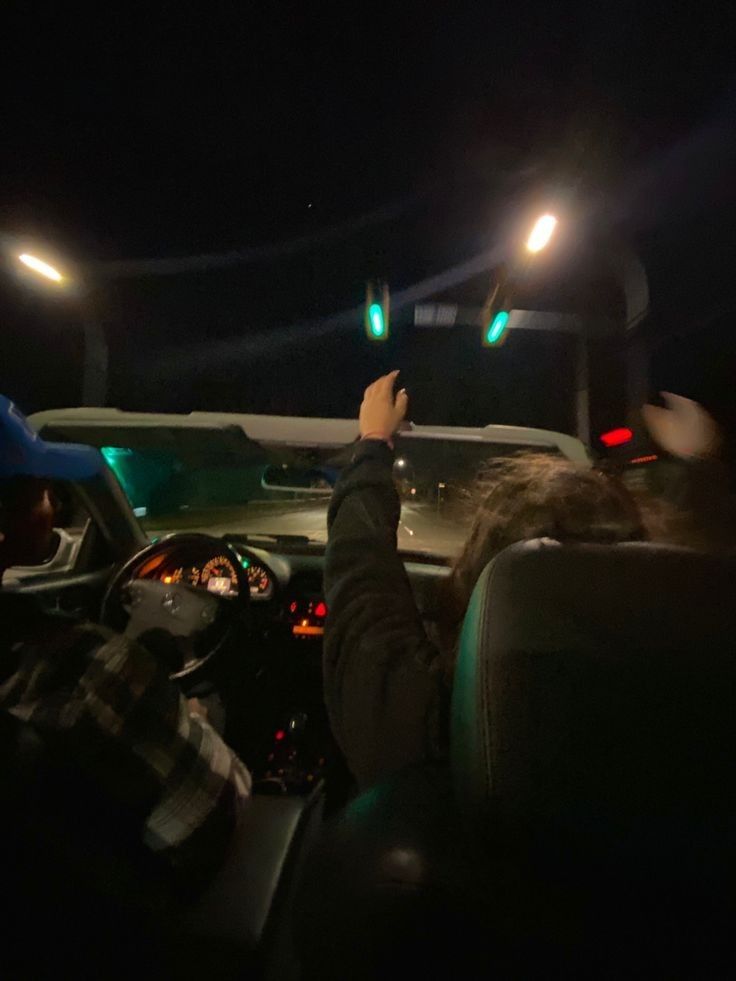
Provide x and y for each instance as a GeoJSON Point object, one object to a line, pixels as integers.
{"type": "Point", "coordinates": [420, 529]}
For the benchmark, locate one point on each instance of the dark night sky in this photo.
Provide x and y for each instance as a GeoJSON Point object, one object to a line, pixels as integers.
{"type": "Point", "coordinates": [173, 129]}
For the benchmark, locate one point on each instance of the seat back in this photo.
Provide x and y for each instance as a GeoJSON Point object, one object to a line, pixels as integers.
{"type": "Point", "coordinates": [586, 824]}
{"type": "Point", "coordinates": [596, 685]}
{"type": "Point", "coordinates": [593, 731]}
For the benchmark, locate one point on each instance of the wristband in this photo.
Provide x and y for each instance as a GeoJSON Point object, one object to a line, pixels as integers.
{"type": "Point", "coordinates": [381, 436]}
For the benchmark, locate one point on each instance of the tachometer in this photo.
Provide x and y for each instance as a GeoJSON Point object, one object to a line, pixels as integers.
{"type": "Point", "coordinates": [259, 580]}
{"type": "Point", "coordinates": [219, 576]}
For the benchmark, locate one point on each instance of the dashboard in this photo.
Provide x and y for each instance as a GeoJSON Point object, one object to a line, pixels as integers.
{"type": "Point", "coordinates": [261, 615]}
{"type": "Point", "coordinates": [298, 591]}
{"type": "Point", "coordinates": [288, 585]}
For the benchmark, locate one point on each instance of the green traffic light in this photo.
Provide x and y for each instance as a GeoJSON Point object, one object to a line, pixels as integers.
{"type": "Point", "coordinates": [375, 317]}
{"type": "Point", "coordinates": [376, 321]}
{"type": "Point", "coordinates": [497, 327]}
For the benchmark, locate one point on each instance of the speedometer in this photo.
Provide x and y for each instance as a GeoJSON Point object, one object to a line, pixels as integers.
{"type": "Point", "coordinates": [219, 576]}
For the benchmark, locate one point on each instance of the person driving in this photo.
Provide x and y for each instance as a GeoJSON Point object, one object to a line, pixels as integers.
{"type": "Point", "coordinates": [86, 686]}
{"type": "Point", "coordinates": [387, 685]}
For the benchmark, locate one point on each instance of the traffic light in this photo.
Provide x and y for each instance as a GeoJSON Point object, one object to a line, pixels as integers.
{"type": "Point", "coordinates": [494, 316]}
{"type": "Point", "coordinates": [376, 311]}
{"type": "Point", "coordinates": [494, 331]}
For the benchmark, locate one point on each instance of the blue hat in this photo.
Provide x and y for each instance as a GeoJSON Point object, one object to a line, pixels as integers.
{"type": "Point", "coordinates": [24, 453]}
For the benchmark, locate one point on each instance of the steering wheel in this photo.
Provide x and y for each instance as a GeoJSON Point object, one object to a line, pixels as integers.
{"type": "Point", "coordinates": [185, 623]}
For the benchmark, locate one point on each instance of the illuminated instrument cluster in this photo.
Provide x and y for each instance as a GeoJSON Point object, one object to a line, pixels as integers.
{"type": "Point", "coordinates": [217, 574]}
{"type": "Point", "coordinates": [259, 580]}
{"type": "Point", "coordinates": [307, 615]}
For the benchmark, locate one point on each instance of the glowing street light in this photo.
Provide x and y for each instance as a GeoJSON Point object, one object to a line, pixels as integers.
{"type": "Point", "coordinates": [541, 234]}
{"type": "Point", "coordinates": [80, 291]}
{"type": "Point", "coordinates": [40, 267]}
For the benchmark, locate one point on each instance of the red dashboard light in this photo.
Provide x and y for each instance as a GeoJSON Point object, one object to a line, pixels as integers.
{"type": "Point", "coordinates": [292, 608]}
{"type": "Point", "coordinates": [617, 437]}
{"type": "Point", "coordinates": [320, 609]}
{"type": "Point", "coordinates": [279, 735]}
{"type": "Point", "coordinates": [308, 630]}
{"type": "Point", "coordinates": [649, 458]}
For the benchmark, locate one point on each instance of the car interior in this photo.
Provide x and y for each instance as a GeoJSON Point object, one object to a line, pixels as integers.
{"type": "Point", "coordinates": [582, 823]}
{"type": "Point", "coordinates": [246, 641]}
{"type": "Point", "coordinates": [583, 826]}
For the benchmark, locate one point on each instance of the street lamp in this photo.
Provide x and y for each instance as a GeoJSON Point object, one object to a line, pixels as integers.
{"type": "Point", "coordinates": [96, 356]}
{"type": "Point", "coordinates": [541, 233]}
{"type": "Point", "coordinates": [40, 267]}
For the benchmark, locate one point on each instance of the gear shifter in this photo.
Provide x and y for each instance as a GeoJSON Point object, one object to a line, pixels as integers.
{"type": "Point", "coordinates": [291, 768]}
{"type": "Point", "coordinates": [297, 726]}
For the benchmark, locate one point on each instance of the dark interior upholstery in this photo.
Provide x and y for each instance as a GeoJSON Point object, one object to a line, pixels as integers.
{"type": "Point", "coordinates": [596, 685]}
{"type": "Point", "coordinates": [242, 922]}
{"type": "Point", "coordinates": [85, 898]}
{"type": "Point", "coordinates": [587, 826]}
{"type": "Point", "coordinates": [75, 874]}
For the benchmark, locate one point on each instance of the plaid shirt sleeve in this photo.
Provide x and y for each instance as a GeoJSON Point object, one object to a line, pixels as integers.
{"type": "Point", "coordinates": [105, 681]}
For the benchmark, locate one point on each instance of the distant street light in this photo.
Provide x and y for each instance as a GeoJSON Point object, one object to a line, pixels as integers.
{"type": "Point", "coordinates": [96, 356]}
{"type": "Point", "coordinates": [541, 234]}
{"type": "Point", "coordinates": [41, 267]}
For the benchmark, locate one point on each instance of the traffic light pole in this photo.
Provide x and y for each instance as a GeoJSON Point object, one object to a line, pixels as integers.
{"type": "Point", "coordinates": [582, 387]}
{"type": "Point", "coordinates": [634, 284]}
{"type": "Point", "coordinates": [96, 358]}
{"type": "Point", "coordinates": [495, 297]}
{"type": "Point", "coordinates": [96, 350]}
{"type": "Point", "coordinates": [564, 324]}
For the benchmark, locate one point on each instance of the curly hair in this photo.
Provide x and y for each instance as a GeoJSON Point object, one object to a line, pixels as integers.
{"type": "Point", "coordinates": [534, 495]}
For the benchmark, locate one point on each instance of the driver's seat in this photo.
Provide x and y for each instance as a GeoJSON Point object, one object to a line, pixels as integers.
{"type": "Point", "coordinates": [85, 898]}
{"type": "Point", "coordinates": [79, 885]}
{"type": "Point", "coordinates": [587, 823]}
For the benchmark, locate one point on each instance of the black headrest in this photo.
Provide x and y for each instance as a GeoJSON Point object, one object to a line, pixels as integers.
{"type": "Point", "coordinates": [596, 687]}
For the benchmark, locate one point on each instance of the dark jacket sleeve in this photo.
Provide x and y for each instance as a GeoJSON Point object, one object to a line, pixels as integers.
{"type": "Point", "coordinates": [383, 684]}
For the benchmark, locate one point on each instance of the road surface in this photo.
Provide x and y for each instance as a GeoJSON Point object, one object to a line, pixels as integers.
{"type": "Point", "coordinates": [420, 528]}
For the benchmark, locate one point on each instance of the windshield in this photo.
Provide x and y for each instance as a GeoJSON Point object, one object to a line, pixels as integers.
{"type": "Point", "coordinates": [220, 481]}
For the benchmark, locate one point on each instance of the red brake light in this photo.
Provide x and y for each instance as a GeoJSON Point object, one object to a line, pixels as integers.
{"type": "Point", "coordinates": [617, 437]}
